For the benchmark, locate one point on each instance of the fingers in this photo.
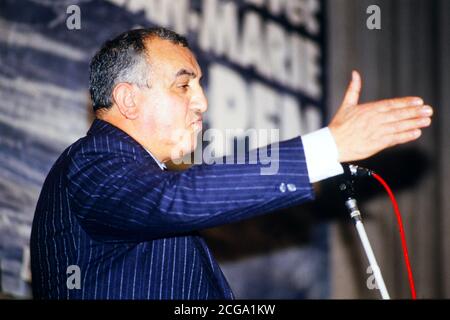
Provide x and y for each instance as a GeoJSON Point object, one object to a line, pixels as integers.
{"type": "Point", "coordinates": [407, 125]}
{"type": "Point", "coordinates": [403, 137]}
{"type": "Point", "coordinates": [353, 91]}
{"type": "Point", "coordinates": [404, 124]}
{"type": "Point", "coordinates": [396, 103]}
{"type": "Point", "coordinates": [395, 115]}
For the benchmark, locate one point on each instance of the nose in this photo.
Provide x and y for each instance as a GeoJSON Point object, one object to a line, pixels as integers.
{"type": "Point", "coordinates": [199, 101]}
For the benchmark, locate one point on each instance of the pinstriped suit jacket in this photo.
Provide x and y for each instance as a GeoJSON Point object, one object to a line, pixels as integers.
{"type": "Point", "coordinates": [131, 228]}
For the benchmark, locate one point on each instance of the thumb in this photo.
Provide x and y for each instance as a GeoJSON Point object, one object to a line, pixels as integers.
{"type": "Point", "coordinates": [353, 91]}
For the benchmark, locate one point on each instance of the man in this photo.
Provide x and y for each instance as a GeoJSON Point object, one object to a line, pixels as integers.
{"type": "Point", "coordinates": [110, 211]}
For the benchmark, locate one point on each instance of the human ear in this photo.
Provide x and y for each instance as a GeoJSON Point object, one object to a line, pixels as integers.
{"type": "Point", "coordinates": [123, 96]}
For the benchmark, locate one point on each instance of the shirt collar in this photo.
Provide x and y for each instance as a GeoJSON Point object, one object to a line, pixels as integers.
{"type": "Point", "coordinates": [160, 164]}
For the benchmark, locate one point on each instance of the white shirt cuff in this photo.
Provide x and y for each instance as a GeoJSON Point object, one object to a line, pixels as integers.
{"type": "Point", "coordinates": [321, 153]}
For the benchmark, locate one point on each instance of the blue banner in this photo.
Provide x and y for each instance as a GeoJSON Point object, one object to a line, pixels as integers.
{"type": "Point", "coordinates": [264, 68]}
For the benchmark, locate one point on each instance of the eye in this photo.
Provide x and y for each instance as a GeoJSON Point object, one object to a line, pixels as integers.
{"type": "Point", "coordinates": [184, 87]}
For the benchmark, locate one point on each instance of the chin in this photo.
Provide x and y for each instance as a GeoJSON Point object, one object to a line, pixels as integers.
{"type": "Point", "coordinates": [183, 149]}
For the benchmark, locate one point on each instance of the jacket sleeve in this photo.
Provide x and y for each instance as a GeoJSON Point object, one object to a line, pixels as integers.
{"type": "Point", "coordinates": [119, 200]}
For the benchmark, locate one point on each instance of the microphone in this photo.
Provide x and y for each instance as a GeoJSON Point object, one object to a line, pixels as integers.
{"type": "Point", "coordinates": [347, 180]}
{"type": "Point", "coordinates": [346, 186]}
{"type": "Point", "coordinates": [354, 171]}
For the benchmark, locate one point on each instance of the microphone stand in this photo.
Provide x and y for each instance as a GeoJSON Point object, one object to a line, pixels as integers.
{"type": "Point", "coordinates": [346, 187]}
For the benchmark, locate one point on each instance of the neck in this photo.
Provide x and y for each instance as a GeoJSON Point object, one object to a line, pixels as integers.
{"type": "Point", "coordinates": [129, 128]}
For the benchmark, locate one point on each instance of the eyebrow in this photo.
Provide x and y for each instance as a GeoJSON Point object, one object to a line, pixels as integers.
{"type": "Point", "coordinates": [186, 72]}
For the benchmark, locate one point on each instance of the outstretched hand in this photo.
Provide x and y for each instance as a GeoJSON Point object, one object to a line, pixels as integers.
{"type": "Point", "coordinates": [362, 130]}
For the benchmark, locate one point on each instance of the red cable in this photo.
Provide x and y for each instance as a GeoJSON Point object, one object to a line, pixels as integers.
{"type": "Point", "coordinates": [402, 233]}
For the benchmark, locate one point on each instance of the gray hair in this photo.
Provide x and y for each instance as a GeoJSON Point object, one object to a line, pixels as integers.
{"type": "Point", "coordinates": [124, 59]}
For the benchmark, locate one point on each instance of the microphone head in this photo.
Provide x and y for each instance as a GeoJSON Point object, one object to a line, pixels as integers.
{"type": "Point", "coordinates": [356, 171]}
{"type": "Point", "coordinates": [348, 178]}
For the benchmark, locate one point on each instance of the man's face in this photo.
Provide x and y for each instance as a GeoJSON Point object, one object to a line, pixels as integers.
{"type": "Point", "coordinates": [170, 111]}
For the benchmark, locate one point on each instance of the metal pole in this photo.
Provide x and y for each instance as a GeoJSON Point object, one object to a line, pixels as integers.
{"type": "Point", "coordinates": [356, 216]}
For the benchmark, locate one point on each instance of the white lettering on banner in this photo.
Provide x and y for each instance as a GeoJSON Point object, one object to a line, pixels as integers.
{"type": "Point", "coordinates": [231, 104]}
{"type": "Point", "coordinates": [241, 105]}
{"type": "Point", "coordinates": [287, 58]}
{"type": "Point", "coordinates": [252, 42]}
{"type": "Point", "coordinates": [219, 29]}
{"type": "Point", "coordinates": [312, 119]}
{"type": "Point", "coordinates": [277, 55]}
{"type": "Point", "coordinates": [267, 106]}
{"type": "Point", "coordinates": [282, 56]}
{"type": "Point", "coordinates": [299, 13]}
{"type": "Point", "coordinates": [291, 119]}
{"type": "Point", "coordinates": [163, 12]}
